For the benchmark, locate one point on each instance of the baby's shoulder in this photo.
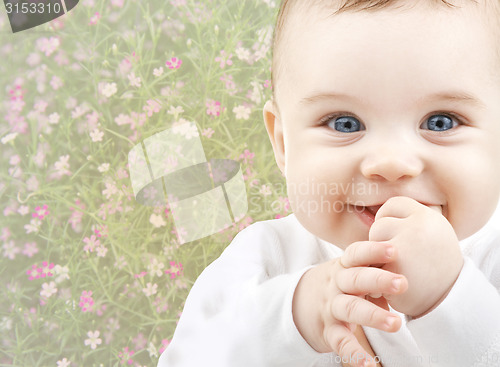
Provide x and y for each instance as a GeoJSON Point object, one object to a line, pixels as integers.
{"type": "Point", "coordinates": [282, 242]}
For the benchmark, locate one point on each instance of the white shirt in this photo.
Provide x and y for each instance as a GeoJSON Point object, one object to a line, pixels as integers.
{"type": "Point", "coordinates": [239, 311]}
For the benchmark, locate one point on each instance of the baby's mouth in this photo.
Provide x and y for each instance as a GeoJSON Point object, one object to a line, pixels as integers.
{"type": "Point", "coordinates": [373, 209]}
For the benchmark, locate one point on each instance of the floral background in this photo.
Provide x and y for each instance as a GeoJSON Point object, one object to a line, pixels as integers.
{"type": "Point", "coordinates": [89, 277]}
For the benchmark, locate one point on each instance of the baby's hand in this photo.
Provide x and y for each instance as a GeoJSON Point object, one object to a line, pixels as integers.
{"type": "Point", "coordinates": [429, 253]}
{"type": "Point", "coordinates": [329, 300]}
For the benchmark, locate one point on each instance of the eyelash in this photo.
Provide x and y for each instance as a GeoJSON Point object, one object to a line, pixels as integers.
{"type": "Point", "coordinates": [325, 120]}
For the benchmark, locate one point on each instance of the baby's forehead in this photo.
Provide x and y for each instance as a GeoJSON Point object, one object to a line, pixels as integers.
{"type": "Point", "coordinates": [302, 16]}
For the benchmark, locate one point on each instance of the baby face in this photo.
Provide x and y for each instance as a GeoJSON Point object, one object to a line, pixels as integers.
{"type": "Point", "coordinates": [397, 102]}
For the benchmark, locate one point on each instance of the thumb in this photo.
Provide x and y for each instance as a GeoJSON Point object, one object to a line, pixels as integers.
{"type": "Point", "coordinates": [437, 208]}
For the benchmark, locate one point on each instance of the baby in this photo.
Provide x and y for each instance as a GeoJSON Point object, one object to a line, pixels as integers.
{"type": "Point", "coordinates": [385, 121]}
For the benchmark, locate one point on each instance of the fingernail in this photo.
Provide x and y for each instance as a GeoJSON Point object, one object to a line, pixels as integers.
{"type": "Point", "coordinates": [396, 283]}
{"type": "Point", "coordinates": [389, 251]}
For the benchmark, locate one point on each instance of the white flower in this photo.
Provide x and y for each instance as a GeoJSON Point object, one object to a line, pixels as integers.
{"type": "Point", "coordinates": [33, 59]}
{"type": "Point", "coordinates": [8, 137]}
{"type": "Point", "coordinates": [156, 268]}
{"type": "Point", "coordinates": [135, 81]}
{"type": "Point", "coordinates": [56, 82]}
{"type": "Point", "coordinates": [107, 89]}
{"type": "Point", "coordinates": [256, 94]}
{"type": "Point", "coordinates": [6, 323]}
{"type": "Point", "coordinates": [158, 71]}
{"type": "Point", "coordinates": [101, 251]}
{"type": "Point", "coordinates": [242, 112]}
{"type": "Point", "coordinates": [54, 118]}
{"type": "Point", "coordinates": [110, 189]}
{"type": "Point", "coordinates": [103, 167]}
{"type": "Point", "coordinates": [48, 289]}
{"type": "Point", "coordinates": [32, 184]}
{"type": "Point", "coordinates": [175, 111]}
{"type": "Point", "coordinates": [150, 289]}
{"type": "Point", "coordinates": [61, 272]}
{"type": "Point", "coordinates": [63, 363]}
{"type": "Point", "coordinates": [33, 226]}
{"type": "Point", "coordinates": [265, 190]}
{"type": "Point", "coordinates": [242, 53]}
{"type": "Point", "coordinates": [62, 165]}
{"type": "Point", "coordinates": [185, 128]}
{"type": "Point", "coordinates": [157, 220]}
{"type": "Point", "coordinates": [93, 339]}
{"type": "Point", "coordinates": [10, 250]}
{"type": "Point", "coordinates": [96, 135]}
{"type": "Point", "coordinates": [152, 350]}
{"type": "Point", "coordinates": [79, 110]}
{"type": "Point", "coordinates": [23, 210]}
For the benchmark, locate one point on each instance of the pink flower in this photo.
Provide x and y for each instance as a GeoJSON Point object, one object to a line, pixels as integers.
{"type": "Point", "coordinates": [125, 66]}
{"type": "Point", "coordinates": [140, 275]}
{"type": "Point", "coordinates": [5, 234]}
{"type": "Point", "coordinates": [76, 216]}
{"type": "Point", "coordinates": [207, 132]}
{"type": "Point", "coordinates": [152, 107]}
{"type": "Point", "coordinates": [214, 108]}
{"type": "Point", "coordinates": [100, 230]}
{"type": "Point", "coordinates": [174, 63]}
{"type": "Point", "coordinates": [16, 93]}
{"type": "Point", "coordinates": [30, 248]}
{"type": "Point", "coordinates": [247, 156]}
{"type": "Point", "coordinates": [222, 60]}
{"type": "Point", "coordinates": [91, 243]}
{"type": "Point", "coordinates": [48, 45]}
{"type": "Point", "coordinates": [175, 269]}
{"type": "Point", "coordinates": [125, 356]}
{"type": "Point", "coordinates": [40, 212]}
{"type": "Point", "coordinates": [94, 18]}
{"type": "Point", "coordinates": [164, 345]}
{"type": "Point", "coordinates": [40, 272]}
{"type": "Point", "coordinates": [137, 119]}
{"type": "Point", "coordinates": [139, 341]}
{"type": "Point", "coordinates": [86, 301]}
{"type": "Point", "coordinates": [10, 250]}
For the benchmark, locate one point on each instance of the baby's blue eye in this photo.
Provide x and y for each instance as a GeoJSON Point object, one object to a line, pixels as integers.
{"type": "Point", "coordinates": [347, 124]}
{"type": "Point", "coordinates": [439, 123]}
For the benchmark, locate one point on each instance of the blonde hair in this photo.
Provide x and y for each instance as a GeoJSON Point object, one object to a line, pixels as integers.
{"type": "Point", "coordinates": [289, 8]}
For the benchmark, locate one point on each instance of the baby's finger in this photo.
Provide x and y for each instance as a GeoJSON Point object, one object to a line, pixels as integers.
{"type": "Point", "coordinates": [342, 340]}
{"type": "Point", "coordinates": [365, 253]}
{"type": "Point", "coordinates": [397, 207]}
{"type": "Point", "coordinates": [437, 208]}
{"type": "Point", "coordinates": [361, 281]}
{"type": "Point", "coordinates": [359, 311]}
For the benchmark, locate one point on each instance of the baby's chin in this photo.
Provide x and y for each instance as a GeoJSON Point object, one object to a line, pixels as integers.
{"type": "Point", "coordinates": [343, 232]}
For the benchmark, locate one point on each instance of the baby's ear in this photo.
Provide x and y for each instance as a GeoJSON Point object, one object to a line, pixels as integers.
{"type": "Point", "coordinates": [275, 131]}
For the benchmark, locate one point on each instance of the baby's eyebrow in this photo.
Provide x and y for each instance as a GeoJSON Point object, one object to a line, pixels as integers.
{"type": "Point", "coordinates": [327, 96]}
{"type": "Point", "coordinates": [454, 96]}
{"type": "Point", "coordinates": [449, 96]}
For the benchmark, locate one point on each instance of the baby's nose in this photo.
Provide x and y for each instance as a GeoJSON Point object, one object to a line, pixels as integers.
{"type": "Point", "coordinates": [392, 163]}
